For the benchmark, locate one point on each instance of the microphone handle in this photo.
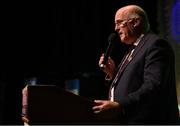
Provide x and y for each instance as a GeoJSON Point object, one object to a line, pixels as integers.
{"type": "Point", "coordinates": [106, 55]}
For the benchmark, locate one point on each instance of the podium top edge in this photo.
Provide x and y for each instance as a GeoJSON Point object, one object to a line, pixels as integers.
{"type": "Point", "coordinates": [40, 85]}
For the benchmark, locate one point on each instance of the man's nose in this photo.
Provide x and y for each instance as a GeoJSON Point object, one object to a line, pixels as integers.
{"type": "Point", "coordinates": [116, 29]}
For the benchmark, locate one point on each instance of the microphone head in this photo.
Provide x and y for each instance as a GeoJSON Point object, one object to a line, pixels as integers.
{"type": "Point", "coordinates": [112, 37]}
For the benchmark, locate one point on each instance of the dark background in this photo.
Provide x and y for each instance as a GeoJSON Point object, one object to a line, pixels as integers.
{"type": "Point", "coordinates": [56, 42]}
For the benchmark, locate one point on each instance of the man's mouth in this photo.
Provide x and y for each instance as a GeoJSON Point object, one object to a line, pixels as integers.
{"type": "Point", "coordinates": [120, 33]}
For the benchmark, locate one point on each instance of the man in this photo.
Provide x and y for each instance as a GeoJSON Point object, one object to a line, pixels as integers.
{"type": "Point", "coordinates": [143, 89]}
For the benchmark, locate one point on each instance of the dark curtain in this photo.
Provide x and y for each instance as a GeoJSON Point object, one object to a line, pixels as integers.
{"type": "Point", "coordinates": [55, 42]}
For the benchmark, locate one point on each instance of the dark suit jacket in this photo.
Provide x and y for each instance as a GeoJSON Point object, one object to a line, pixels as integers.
{"type": "Point", "coordinates": [146, 88]}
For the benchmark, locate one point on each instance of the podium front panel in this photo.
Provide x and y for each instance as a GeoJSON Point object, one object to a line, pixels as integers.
{"type": "Point", "coordinates": [48, 104]}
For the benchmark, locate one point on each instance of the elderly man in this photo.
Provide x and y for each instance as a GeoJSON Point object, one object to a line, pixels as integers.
{"type": "Point", "coordinates": [143, 89]}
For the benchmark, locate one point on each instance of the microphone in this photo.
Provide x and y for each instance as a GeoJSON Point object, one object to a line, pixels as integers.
{"type": "Point", "coordinates": [112, 37]}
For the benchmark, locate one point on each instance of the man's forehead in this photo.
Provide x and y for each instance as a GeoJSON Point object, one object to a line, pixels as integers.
{"type": "Point", "coordinates": [121, 13]}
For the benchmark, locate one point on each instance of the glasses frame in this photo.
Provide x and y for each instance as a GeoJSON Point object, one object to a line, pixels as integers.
{"type": "Point", "coordinates": [121, 23]}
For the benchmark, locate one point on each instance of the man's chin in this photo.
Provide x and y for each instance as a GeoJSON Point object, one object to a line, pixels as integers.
{"type": "Point", "coordinates": [123, 41]}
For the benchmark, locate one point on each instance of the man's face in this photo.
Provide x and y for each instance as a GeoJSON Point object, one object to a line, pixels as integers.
{"type": "Point", "coordinates": [124, 27]}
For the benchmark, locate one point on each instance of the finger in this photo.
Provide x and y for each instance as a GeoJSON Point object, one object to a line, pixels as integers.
{"type": "Point", "coordinates": [102, 56]}
{"type": "Point", "coordinates": [97, 109]}
{"type": "Point", "coordinates": [102, 66]}
{"type": "Point", "coordinates": [96, 112]}
{"type": "Point", "coordinates": [98, 101]}
{"type": "Point", "coordinates": [101, 60]}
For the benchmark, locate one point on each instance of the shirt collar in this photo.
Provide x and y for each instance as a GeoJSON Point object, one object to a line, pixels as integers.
{"type": "Point", "coordinates": [138, 40]}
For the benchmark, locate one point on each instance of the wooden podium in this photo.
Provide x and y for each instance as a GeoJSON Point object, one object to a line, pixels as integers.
{"type": "Point", "coordinates": [48, 104]}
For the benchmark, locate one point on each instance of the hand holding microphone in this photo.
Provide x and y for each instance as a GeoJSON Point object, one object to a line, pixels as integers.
{"type": "Point", "coordinates": [105, 62]}
{"type": "Point", "coordinates": [109, 67]}
{"type": "Point", "coordinates": [111, 39]}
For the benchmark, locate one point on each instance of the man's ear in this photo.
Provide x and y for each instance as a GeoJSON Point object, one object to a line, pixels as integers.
{"type": "Point", "coordinates": [136, 22]}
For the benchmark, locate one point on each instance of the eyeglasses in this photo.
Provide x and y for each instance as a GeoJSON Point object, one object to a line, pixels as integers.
{"type": "Point", "coordinates": [122, 23]}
